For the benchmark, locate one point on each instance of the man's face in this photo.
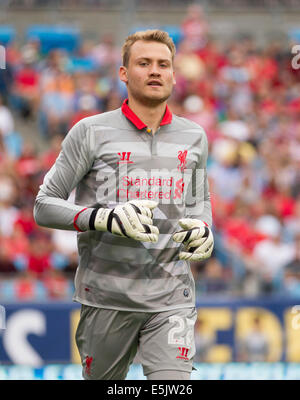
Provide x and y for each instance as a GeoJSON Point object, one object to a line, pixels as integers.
{"type": "Point", "coordinates": [149, 75]}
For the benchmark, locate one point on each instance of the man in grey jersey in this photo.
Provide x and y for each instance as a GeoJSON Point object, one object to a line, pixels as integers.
{"type": "Point", "coordinates": [142, 211]}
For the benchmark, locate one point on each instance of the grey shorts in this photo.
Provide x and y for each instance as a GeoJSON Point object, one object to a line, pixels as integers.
{"type": "Point", "coordinates": [108, 341]}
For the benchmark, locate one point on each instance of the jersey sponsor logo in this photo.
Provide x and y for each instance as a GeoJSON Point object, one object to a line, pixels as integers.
{"type": "Point", "coordinates": [125, 157]}
{"type": "Point", "coordinates": [169, 185]}
{"type": "Point", "coordinates": [183, 351]}
{"type": "Point", "coordinates": [182, 158]}
{"type": "Point", "coordinates": [160, 188]}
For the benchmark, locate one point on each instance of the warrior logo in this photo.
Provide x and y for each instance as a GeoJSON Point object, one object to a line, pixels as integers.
{"type": "Point", "coordinates": [125, 157]}
{"type": "Point", "coordinates": [183, 353]}
{"type": "Point", "coordinates": [182, 158]}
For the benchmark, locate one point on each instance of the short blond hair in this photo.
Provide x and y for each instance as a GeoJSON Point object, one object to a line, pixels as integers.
{"type": "Point", "coordinates": [151, 35]}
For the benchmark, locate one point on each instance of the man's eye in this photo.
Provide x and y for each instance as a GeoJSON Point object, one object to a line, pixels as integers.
{"type": "Point", "coordinates": [143, 63]}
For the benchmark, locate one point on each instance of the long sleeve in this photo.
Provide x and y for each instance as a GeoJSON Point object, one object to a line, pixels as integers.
{"type": "Point", "coordinates": [198, 203]}
{"type": "Point", "coordinates": [52, 209]}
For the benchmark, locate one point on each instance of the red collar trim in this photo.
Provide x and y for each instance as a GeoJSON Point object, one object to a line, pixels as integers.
{"type": "Point", "coordinates": [167, 118]}
{"type": "Point", "coordinates": [129, 114]}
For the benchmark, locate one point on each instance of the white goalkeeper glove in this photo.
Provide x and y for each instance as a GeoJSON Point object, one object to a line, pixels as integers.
{"type": "Point", "coordinates": [132, 219]}
{"type": "Point", "coordinates": [197, 238]}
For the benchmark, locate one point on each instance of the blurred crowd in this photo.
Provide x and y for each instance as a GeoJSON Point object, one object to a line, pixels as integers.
{"type": "Point", "coordinates": [246, 97]}
{"type": "Point", "coordinates": [105, 3]}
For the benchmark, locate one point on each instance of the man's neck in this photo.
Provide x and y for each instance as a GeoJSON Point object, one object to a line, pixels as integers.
{"type": "Point", "coordinates": [151, 116]}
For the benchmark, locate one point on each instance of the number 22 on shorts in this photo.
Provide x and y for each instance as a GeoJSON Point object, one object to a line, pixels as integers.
{"type": "Point", "coordinates": [175, 334]}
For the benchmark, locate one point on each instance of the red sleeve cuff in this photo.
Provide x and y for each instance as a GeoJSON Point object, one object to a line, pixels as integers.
{"type": "Point", "coordinates": [76, 218]}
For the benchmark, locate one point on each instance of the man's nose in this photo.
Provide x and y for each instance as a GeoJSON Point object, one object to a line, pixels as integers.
{"type": "Point", "coordinates": [154, 70]}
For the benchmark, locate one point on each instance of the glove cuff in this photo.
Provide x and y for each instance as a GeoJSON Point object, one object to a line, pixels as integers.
{"type": "Point", "coordinates": [99, 219]}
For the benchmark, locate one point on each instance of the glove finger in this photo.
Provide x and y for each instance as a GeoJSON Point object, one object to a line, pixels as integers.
{"type": "Point", "coordinates": [204, 248]}
{"type": "Point", "coordinates": [146, 237]}
{"type": "Point", "coordinates": [179, 236]}
{"type": "Point", "coordinates": [186, 236]}
{"type": "Point", "coordinates": [183, 255]}
{"type": "Point", "coordinates": [153, 237]}
{"type": "Point", "coordinates": [193, 256]}
{"type": "Point", "coordinates": [196, 243]}
{"type": "Point", "coordinates": [203, 255]}
{"type": "Point", "coordinates": [195, 234]}
{"type": "Point", "coordinates": [154, 229]}
{"type": "Point", "coordinates": [188, 223]}
{"type": "Point", "coordinates": [146, 211]}
{"type": "Point", "coordinates": [149, 229]}
{"type": "Point", "coordinates": [145, 203]}
{"type": "Point", "coordinates": [145, 219]}
{"type": "Point", "coordinates": [142, 210]}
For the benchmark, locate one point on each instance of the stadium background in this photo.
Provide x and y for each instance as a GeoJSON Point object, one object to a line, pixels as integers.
{"type": "Point", "coordinates": [236, 78]}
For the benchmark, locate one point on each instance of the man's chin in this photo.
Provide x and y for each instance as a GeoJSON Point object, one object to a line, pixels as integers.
{"type": "Point", "coordinates": [152, 100]}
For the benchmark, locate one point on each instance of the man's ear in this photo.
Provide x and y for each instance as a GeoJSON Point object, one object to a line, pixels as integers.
{"type": "Point", "coordinates": [174, 78]}
{"type": "Point", "coordinates": [123, 74]}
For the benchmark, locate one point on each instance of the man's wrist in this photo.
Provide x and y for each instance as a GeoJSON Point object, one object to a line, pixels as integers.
{"type": "Point", "coordinates": [82, 219]}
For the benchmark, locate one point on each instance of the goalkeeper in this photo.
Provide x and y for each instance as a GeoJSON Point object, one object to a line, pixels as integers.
{"type": "Point", "coordinates": [133, 281]}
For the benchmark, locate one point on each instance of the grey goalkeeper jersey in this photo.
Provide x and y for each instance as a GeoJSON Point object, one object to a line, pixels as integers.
{"type": "Point", "coordinates": [112, 158]}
